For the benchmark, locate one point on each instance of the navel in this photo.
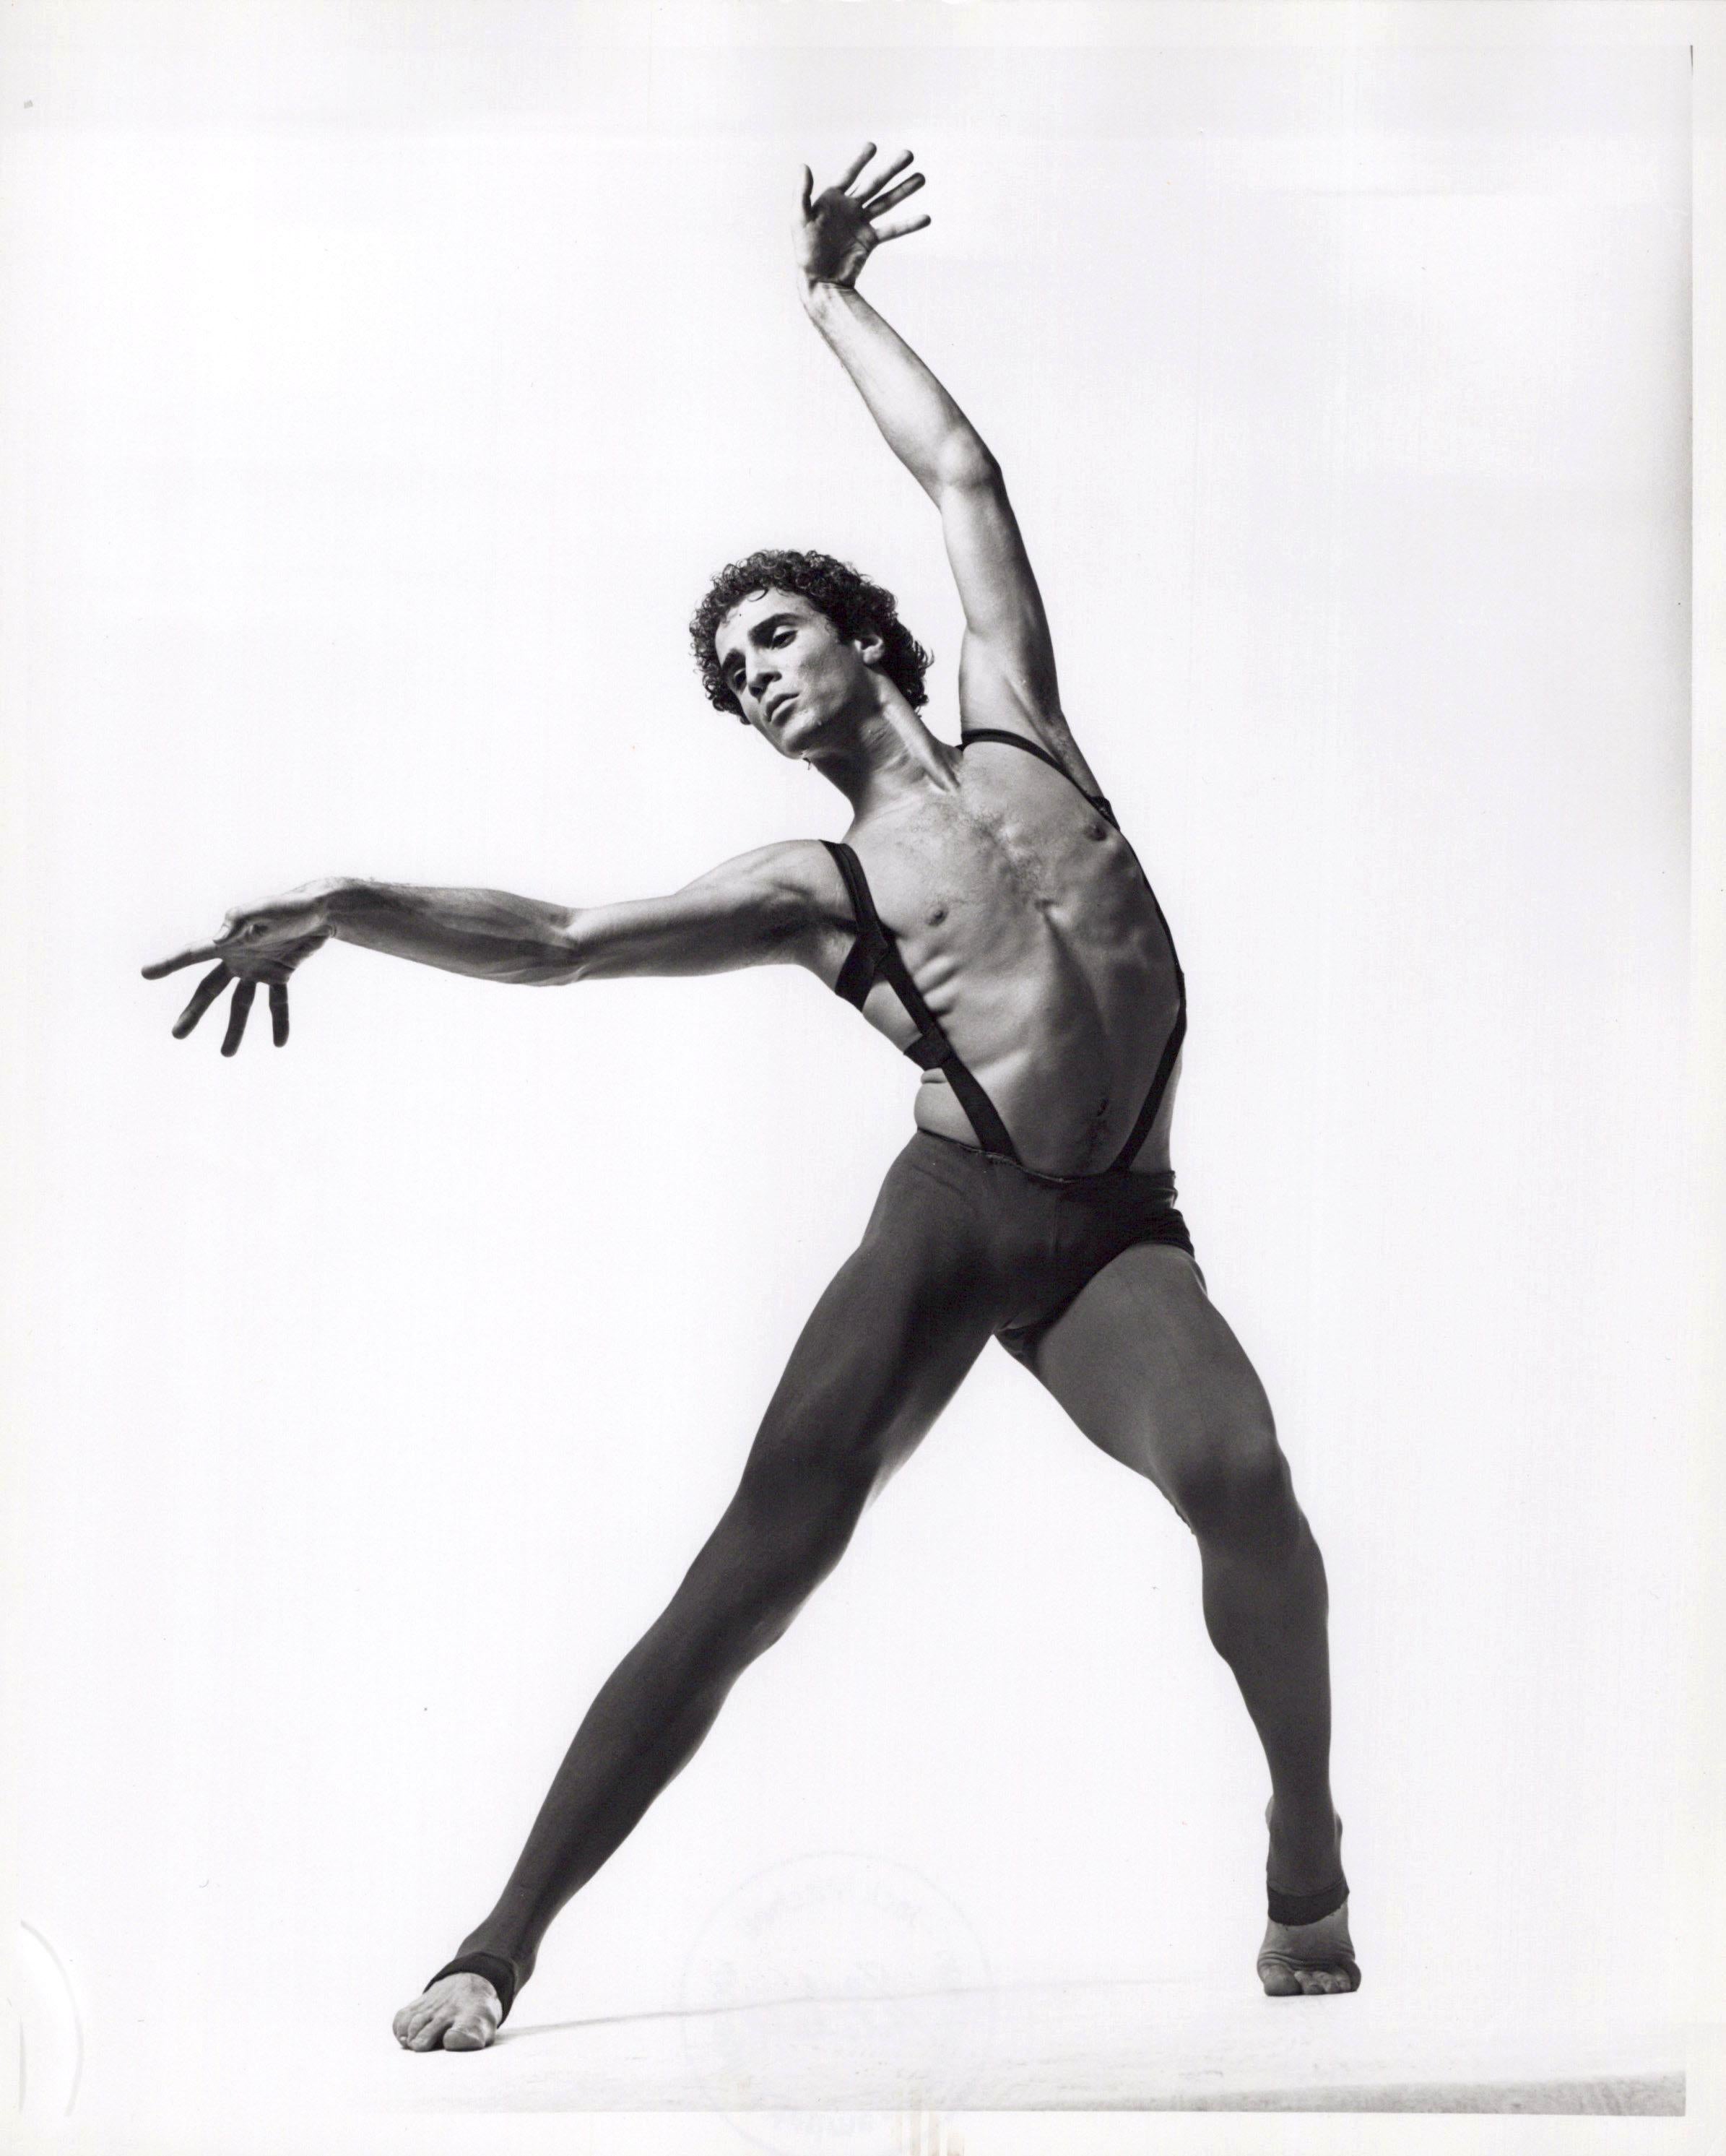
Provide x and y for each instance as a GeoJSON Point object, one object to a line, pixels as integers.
{"type": "Point", "coordinates": [937, 915]}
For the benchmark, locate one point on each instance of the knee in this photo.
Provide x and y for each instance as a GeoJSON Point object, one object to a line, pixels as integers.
{"type": "Point", "coordinates": [766, 1559]}
{"type": "Point", "coordinates": [1235, 1491]}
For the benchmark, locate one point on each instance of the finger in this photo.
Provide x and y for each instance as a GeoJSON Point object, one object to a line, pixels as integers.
{"type": "Point", "coordinates": [197, 955]}
{"type": "Point", "coordinates": [855, 166]}
{"type": "Point", "coordinates": [878, 205]}
{"type": "Point", "coordinates": [203, 996]}
{"type": "Point", "coordinates": [884, 197]}
{"type": "Point", "coordinates": [279, 1013]}
{"type": "Point", "coordinates": [870, 188]}
{"type": "Point", "coordinates": [898, 231]}
{"type": "Point", "coordinates": [808, 191]}
{"type": "Point", "coordinates": [238, 1012]}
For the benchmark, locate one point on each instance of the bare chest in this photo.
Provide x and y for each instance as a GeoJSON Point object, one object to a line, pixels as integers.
{"type": "Point", "coordinates": [1013, 877]}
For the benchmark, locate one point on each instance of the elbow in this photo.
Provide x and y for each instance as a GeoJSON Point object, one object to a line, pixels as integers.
{"type": "Point", "coordinates": [566, 957]}
{"type": "Point", "coordinates": [964, 465]}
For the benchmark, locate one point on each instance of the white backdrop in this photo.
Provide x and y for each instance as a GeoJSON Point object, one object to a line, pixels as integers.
{"type": "Point", "coordinates": [381, 389]}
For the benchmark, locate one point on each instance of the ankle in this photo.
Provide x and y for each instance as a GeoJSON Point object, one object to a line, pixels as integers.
{"type": "Point", "coordinates": [496, 1970]}
{"type": "Point", "coordinates": [1305, 1854]}
{"type": "Point", "coordinates": [1293, 1910]}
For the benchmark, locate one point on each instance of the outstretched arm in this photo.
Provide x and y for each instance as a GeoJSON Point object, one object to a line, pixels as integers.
{"type": "Point", "coordinates": [765, 907]}
{"type": "Point", "coordinates": [1006, 673]}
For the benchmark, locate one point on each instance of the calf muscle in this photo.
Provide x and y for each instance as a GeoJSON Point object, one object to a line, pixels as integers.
{"type": "Point", "coordinates": [1150, 1372]}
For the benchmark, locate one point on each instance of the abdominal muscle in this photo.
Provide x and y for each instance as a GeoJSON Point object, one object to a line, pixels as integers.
{"type": "Point", "coordinates": [1062, 1012]}
{"type": "Point", "coordinates": [1046, 1134]}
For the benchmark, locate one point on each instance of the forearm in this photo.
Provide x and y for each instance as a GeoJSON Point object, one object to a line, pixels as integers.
{"type": "Point", "coordinates": [921, 424]}
{"type": "Point", "coordinates": [491, 935]}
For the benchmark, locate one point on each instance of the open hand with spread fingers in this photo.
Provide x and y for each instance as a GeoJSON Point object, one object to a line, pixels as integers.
{"type": "Point", "coordinates": [838, 229]}
{"type": "Point", "coordinates": [262, 942]}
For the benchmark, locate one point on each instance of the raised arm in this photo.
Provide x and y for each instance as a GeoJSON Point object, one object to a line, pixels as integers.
{"type": "Point", "coordinates": [1007, 672]}
{"type": "Point", "coordinates": [775, 904]}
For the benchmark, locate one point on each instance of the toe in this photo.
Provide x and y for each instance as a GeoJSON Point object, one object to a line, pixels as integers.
{"type": "Point", "coordinates": [425, 2032]}
{"type": "Point", "coordinates": [1278, 1979]}
{"type": "Point", "coordinates": [450, 2017]}
{"type": "Point", "coordinates": [411, 2013]}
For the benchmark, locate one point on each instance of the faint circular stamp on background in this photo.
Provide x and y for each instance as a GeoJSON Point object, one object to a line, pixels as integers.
{"type": "Point", "coordinates": [828, 1996]}
{"type": "Point", "coordinates": [50, 2029]}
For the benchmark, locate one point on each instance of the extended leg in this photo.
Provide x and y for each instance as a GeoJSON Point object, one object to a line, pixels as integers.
{"type": "Point", "coordinates": [1150, 1372]}
{"type": "Point", "coordinates": [879, 1357]}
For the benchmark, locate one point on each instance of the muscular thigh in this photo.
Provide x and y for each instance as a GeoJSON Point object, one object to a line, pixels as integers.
{"type": "Point", "coordinates": [1148, 1367]}
{"type": "Point", "coordinates": [879, 1357]}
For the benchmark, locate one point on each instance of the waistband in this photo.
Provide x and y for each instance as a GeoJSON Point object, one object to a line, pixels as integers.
{"type": "Point", "coordinates": [1159, 1181]}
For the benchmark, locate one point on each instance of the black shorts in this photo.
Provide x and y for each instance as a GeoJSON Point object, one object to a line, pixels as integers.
{"type": "Point", "coordinates": [1022, 1244]}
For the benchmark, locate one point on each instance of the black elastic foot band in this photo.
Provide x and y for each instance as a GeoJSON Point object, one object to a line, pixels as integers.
{"type": "Point", "coordinates": [1307, 1908]}
{"type": "Point", "coordinates": [498, 1973]}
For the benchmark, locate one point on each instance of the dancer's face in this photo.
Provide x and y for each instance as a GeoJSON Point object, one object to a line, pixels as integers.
{"type": "Point", "coordinates": [795, 678]}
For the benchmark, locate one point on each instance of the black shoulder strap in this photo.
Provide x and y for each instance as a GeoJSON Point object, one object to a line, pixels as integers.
{"type": "Point", "coordinates": [1036, 748]}
{"type": "Point", "coordinates": [863, 961]}
{"type": "Point", "coordinates": [875, 955]}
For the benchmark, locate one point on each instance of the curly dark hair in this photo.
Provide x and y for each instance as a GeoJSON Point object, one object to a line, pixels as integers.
{"type": "Point", "coordinates": [854, 606]}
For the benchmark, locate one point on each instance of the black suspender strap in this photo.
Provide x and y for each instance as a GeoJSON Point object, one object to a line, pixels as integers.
{"type": "Point", "coordinates": [1159, 1086]}
{"type": "Point", "coordinates": [867, 957]}
{"type": "Point", "coordinates": [1159, 1083]}
{"type": "Point", "coordinates": [1171, 1050]}
{"type": "Point", "coordinates": [1036, 748]}
{"type": "Point", "coordinates": [875, 955]}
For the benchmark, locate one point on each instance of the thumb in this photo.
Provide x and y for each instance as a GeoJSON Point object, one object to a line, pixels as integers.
{"type": "Point", "coordinates": [808, 191]}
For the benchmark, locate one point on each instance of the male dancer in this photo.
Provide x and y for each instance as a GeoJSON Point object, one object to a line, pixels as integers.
{"type": "Point", "coordinates": [985, 914]}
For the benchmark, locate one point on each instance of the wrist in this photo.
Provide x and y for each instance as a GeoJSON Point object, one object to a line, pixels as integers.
{"type": "Point", "coordinates": [334, 897]}
{"type": "Point", "coordinates": [820, 293]}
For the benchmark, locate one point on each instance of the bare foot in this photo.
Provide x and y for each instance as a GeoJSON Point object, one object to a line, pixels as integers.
{"type": "Point", "coordinates": [1309, 1959]}
{"type": "Point", "coordinates": [456, 2013]}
